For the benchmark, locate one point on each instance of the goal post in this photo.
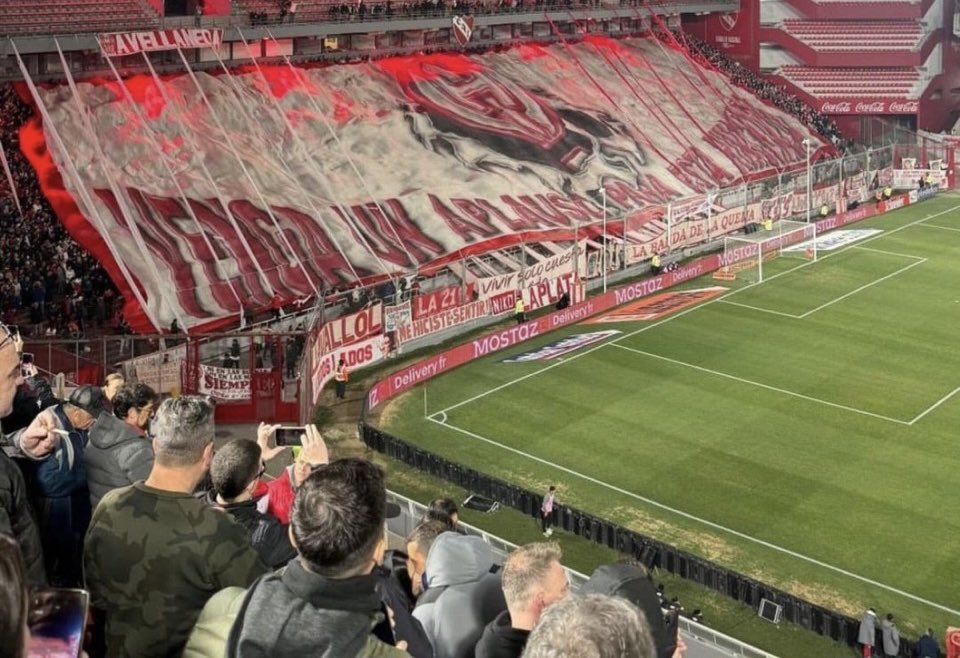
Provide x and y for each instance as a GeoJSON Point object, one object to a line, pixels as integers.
{"type": "Point", "coordinates": [744, 255]}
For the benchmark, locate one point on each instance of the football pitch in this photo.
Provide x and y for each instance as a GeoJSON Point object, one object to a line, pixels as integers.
{"type": "Point", "coordinates": [801, 430]}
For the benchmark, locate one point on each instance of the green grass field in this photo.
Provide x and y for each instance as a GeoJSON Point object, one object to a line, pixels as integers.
{"type": "Point", "coordinates": [801, 430]}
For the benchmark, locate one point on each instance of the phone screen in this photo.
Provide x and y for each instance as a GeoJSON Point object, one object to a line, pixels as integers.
{"type": "Point", "coordinates": [57, 619]}
{"type": "Point", "coordinates": [27, 369]}
{"type": "Point", "coordinates": [289, 436]}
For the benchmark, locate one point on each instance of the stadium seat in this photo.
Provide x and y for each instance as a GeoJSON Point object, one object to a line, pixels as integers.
{"type": "Point", "coordinates": [860, 82]}
{"type": "Point", "coordinates": [56, 16]}
{"type": "Point", "coordinates": [857, 36]}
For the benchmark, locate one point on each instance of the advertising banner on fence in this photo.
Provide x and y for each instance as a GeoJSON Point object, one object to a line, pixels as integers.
{"type": "Point", "coordinates": [406, 378]}
{"type": "Point", "coordinates": [229, 384]}
{"type": "Point", "coordinates": [853, 106]}
{"type": "Point", "coordinates": [358, 355]}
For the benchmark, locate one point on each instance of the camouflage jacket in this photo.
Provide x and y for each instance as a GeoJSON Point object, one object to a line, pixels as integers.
{"type": "Point", "coordinates": [152, 559]}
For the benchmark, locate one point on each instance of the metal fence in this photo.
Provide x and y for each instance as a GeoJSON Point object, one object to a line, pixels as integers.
{"type": "Point", "coordinates": [411, 512]}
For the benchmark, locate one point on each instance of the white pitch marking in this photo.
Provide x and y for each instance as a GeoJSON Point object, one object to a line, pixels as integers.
{"type": "Point", "coordinates": [768, 387]}
{"type": "Point", "coordinates": [697, 519]}
{"type": "Point", "coordinates": [863, 287]}
{"type": "Point", "coordinates": [692, 309]}
{"type": "Point", "coordinates": [935, 405]}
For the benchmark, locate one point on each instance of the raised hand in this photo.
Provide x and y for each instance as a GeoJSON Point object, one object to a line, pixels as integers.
{"type": "Point", "coordinates": [264, 433]}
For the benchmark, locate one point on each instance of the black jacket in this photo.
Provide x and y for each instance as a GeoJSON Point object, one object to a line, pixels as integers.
{"type": "Point", "coordinates": [270, 538]}
{"type": "Point", "coordinates": [16, 519]}
{"type": "Point", "coordinates": [501, 640]}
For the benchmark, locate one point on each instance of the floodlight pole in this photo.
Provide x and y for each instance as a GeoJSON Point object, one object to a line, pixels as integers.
{"type": "Point", "coordinates": [603, 258]}
{"type": "Point", "coordinates": [809, 144]}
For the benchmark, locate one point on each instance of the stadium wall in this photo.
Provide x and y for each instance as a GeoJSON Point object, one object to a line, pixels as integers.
{"type": "Point", "coordinates": [652, 552]}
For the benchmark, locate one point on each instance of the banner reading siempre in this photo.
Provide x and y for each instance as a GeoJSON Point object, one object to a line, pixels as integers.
{"type": "Point", "coordinates": [406, 378]}
{"type": "Point", "coordinates": [229, 384]}
{"type": "Point", "coordinates": [120, 44]}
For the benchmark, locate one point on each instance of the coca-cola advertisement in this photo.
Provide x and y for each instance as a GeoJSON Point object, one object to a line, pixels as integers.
{"type": "Point", "coordinates": [895, 106]}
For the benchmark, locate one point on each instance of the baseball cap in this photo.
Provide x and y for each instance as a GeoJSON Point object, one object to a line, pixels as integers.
{"type": "Point", "coordinates": [87, 398]}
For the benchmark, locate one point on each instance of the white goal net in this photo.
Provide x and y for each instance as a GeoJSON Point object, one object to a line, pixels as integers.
{"type": "Point", "coordinates": [744, 256]}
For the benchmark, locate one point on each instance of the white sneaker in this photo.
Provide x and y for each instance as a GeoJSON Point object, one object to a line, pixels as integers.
{"type": "Point", "coordinates": [548, 532]}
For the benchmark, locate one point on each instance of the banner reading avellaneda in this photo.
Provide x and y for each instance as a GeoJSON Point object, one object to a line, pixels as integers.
{"type": "Point", "coordinates": [120, 44]}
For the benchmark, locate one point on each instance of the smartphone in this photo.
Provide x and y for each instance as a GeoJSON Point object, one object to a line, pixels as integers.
{"type": "Point", "coordinates": [58, 621]}
{"type": "Point", "coordinates": [289, 436]}
{"type": "Point", "coordinates": [27, 369]}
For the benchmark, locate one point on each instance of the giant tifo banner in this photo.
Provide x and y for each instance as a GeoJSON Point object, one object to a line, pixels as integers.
{"type": "Point", "coordinates": [501, 339]}
{"type": "Point", "coordinates": [210, 206]}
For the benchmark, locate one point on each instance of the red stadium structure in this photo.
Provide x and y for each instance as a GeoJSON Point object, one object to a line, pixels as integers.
{"type": "Point", "coordinates": [851, 60]}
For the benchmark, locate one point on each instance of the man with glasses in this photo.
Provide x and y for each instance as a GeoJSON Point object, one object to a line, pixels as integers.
{"type": "Point", "coordinates": [235, 473]}
{"type": "Point", "coordinates": [154, 553]}
{"type": "Point", "coordinates": [120, 452]}
{"type": "Point", "coordinates": [16, 518]}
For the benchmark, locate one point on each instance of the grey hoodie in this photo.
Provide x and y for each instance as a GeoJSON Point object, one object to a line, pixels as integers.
{"type": "Point", "coordinates": [868, 625]}
{"type": "Point", "coordinates": [891, 638]}
{"type": "Point", "coordinates": [470, 595]}
{"type": "Point", "coordinates": [116, 456]}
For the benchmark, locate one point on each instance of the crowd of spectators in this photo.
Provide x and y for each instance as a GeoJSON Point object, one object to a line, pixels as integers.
{"type": "Point", "coordinates": [48, 282]}
{"type": "Point", "coordinates": [187, 550]}
{"type": "Point", "coordinates": [775, 94]}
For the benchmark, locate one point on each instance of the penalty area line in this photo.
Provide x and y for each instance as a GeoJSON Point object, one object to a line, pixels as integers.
{"type": "Point", "coordinates": [684, 312]}
{"type": "Point", "coordinates": [697, 519]}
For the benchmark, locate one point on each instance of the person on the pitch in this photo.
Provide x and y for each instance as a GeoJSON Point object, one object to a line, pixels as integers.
{"type": "Point", "coordinates": [341, 377]}
{"type": "Point", "coordinates": [519, 308]}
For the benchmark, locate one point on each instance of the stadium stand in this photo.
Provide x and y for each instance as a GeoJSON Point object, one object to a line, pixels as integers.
{"type": "Point", "coordinates": [857, 36]}
{"type": "Point", "coordinates": [58, 17]}
{"type": "Point", "coordinates": [772, 93]}
{"type": "Point", "coordinates": [50, 283]}
{"type": "Point", "coordinates": [864, 83]}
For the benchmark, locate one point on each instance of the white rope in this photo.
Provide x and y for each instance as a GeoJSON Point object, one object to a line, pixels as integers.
{"type": "Point", "coordinates": [119, 194]}
{"type": "Point", "coordinates": [70, 169]}
{"type": "Point", "coordinates": [165, 161]}
{"type": "Point", "coordinates": [308, 198]}
{"type": "Point", "coordinates": [246, 172]}
{"type": "Point", "coordinates": [188, 135]}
